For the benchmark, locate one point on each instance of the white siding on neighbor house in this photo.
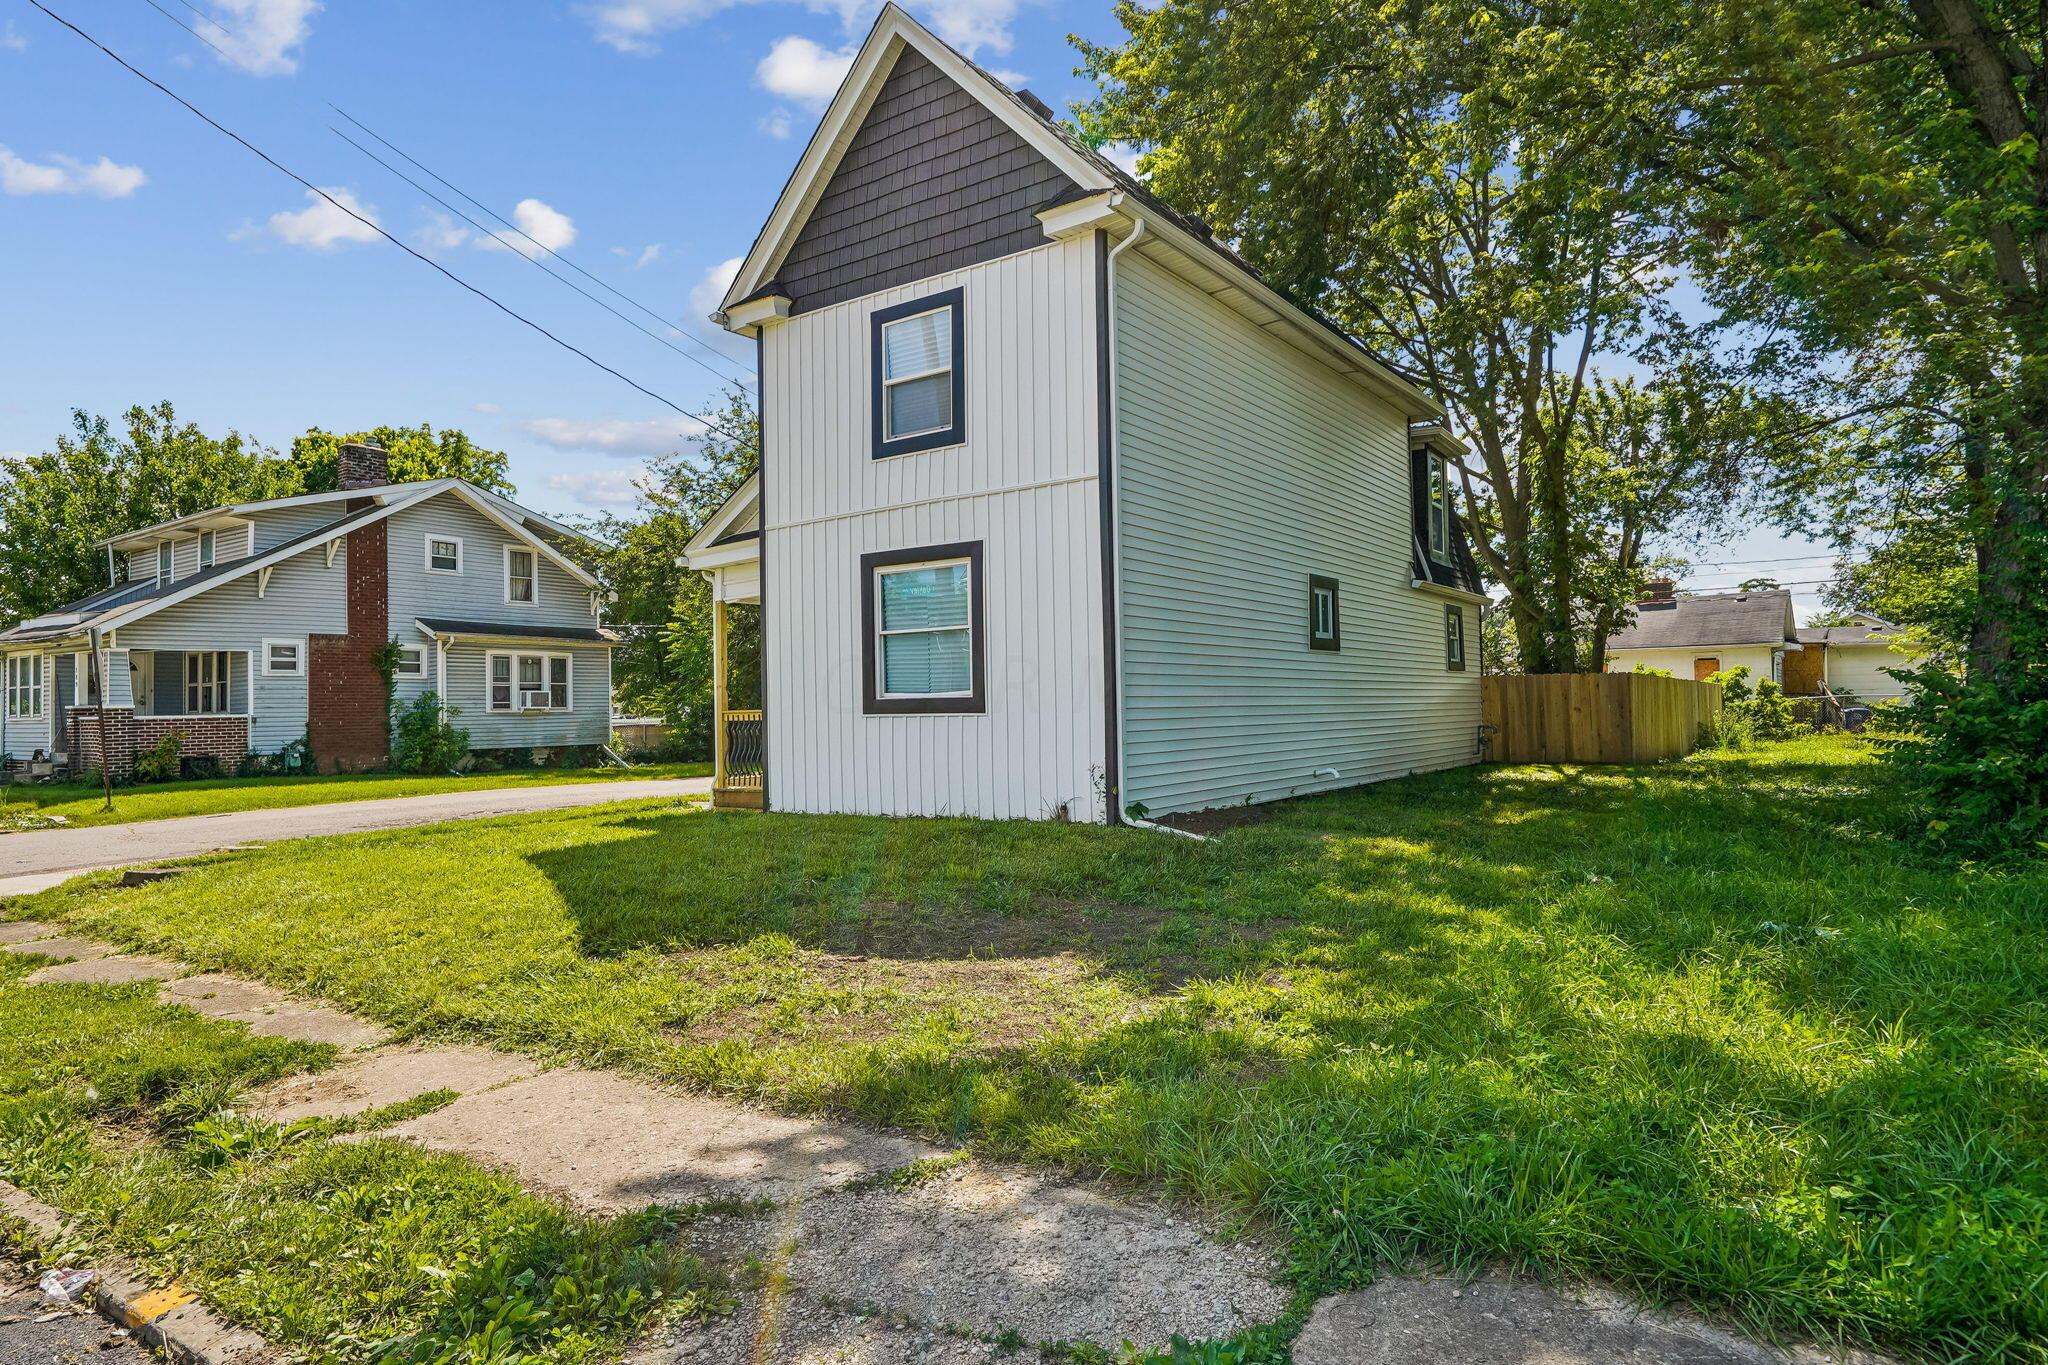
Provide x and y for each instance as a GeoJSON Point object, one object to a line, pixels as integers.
{"type": "Point", "coordinates": [1024, 484]}
{"type": "Point", "coordinates": [1857, 671]}
{"type": "Point", "coordinates": [588, 721]}
{"type": "Point", "coordinates": [280, 524]}
{"type": "Point", "coordinates": [1245, 467]}
{"type": "Point", "coordinates": [1761, 660]}
{"type": "Point", "coordinates": [477, 593]}
{"type": "Point", "coordinates": [306, 596]}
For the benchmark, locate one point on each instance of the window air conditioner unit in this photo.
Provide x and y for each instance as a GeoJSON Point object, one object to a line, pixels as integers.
{"type": "Point", "coordinates": [533, 701]}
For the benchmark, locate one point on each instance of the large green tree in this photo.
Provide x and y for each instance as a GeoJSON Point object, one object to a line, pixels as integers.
{"type": "Point", "coordinates": [1473, 187]}
{"type": "Point", "coordinates": [415, 454]}
{"type": "Point", "coordinates": [98, 480]}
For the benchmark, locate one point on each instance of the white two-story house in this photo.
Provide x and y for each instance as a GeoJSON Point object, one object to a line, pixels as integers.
{"type": "Point", "coordinates": [248, 628]}
{"type": "Point", "coordinates": [1062, 511]}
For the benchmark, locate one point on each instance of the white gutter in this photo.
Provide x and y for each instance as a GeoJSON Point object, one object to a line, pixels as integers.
{"type": "Point", "coordinates": [1116, 547]}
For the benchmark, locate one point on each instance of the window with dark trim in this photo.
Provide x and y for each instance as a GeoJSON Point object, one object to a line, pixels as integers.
{"type": "Point", "coordinates": [923, 651]}
{"type": "Point", "coordinates": [1439, 510]}
{"type": "Point", "coordinates": [1454, 639]}
{"type": "Point", "coordinates": [1323, 629]}
{"type": "Point", "coordinates": [919, 365]}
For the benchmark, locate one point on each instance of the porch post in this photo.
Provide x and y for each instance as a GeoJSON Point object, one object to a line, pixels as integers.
{"type": "Point", "coordinates": [718, 689]}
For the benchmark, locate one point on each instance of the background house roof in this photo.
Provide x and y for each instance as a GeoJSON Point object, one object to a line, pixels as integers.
{"type": "Point", "coordinates": [1742, 618]}
{"type": "Point", "coordinates": [1868, 630]}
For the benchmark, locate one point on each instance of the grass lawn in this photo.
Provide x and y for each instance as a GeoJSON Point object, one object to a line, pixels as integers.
{"type": "Point", "coordinates": [1705, 1029]}
{"type": "Point", "coordinates": [417, 1257]}
{"type": "Point", "coordinates": [32, 805]}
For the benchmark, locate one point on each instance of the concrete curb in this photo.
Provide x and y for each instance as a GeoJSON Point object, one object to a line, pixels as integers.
{"type": "Point", "coordinates": [167, 1317]}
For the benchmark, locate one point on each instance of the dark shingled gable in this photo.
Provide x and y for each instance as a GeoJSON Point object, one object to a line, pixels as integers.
{"type": "Point", "coordinates": [932, 181]}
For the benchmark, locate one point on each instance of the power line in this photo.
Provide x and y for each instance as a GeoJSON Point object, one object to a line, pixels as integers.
{"type": "Point", "coordinates": [377, 228]}
{"type": "Point", "coordinates": [509, 226]}
{"type": "Point", "coordinates": [569, 283]}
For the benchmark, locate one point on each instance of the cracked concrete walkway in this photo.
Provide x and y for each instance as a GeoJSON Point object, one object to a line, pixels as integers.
{"type": "Point", "coordinates": [860, 1247]}
{"type": "Point", "coordinates": [33, 860]}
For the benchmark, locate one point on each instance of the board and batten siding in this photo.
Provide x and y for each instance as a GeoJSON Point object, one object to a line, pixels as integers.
{"type": "Point", "coordinates": [306, 596]}
{"type": "Point", "coordinates": [1243, 468]}
{"type": "Point", "coordinates": [1024, 484]}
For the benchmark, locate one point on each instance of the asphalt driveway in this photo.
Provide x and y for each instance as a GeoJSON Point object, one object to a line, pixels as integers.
{"type": "Point", "coordinates": [35, 859]}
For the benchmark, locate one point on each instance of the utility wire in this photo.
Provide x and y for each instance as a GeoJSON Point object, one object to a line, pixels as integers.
{"type": "Point", "coordinates": [510, 226]}
{"type": "Point", "coordinates": [635, 324]}
{"type": "Point", "coordinates": [377, 228]}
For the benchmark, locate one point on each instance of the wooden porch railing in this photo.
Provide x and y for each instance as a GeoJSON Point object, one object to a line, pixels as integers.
{"type": "Point", "coordinates": [742, 750]}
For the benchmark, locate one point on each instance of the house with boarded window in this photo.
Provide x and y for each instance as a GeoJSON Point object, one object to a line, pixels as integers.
{"type": "Point", "coordinates": [1063, 512]}
{"type": "Point", "coordinates": [248, 628]}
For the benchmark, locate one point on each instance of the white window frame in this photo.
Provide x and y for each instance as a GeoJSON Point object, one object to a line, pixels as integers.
{"type": "Point", "coordinates": [548, 658]}
{"type": "Point", "coordinates": [298, 668]}
{"type": "Point", "coordinates": [533, 575]}
{"type": "Point", "coordinates": [428, 557]}
{"type": "Point", "coordinates": [166, 561]}
{"type": "Point", "coordinates": [1324, 626]}
{"type": "Point", "coordinates": [882, 631]}
{"type": "Point", "coordinates": [890, 381]}
{"type": "Point", "coordinates": [214, 682]}
{"type": "Point", "coordinates": [209, 547]}
{"type": "Point", "coordinates": [24, 686]}
{"type": "Point", "coordinates": [1439, 494]}
{"type": "Point", "coordinates": [412, 661]}
{"type": "Point", "coordinates": [1454, 636]}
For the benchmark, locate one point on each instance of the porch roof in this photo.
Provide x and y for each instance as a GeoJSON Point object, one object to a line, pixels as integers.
{"type": "Point", "coordinates": [516, 630]}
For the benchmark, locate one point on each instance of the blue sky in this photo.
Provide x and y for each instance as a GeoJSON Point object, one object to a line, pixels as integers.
{"type": "Point", "coordinates": [148, 257]}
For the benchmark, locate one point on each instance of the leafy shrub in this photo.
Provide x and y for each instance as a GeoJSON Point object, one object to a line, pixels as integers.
{"type": "Point", "coordinates": [1652, 671]}
{"type": "Point", "coordinates": [1974, 759]}
{"type": "Point", "coordinates": [1769, 714]}
{"type": "Point", "coordinates": [161, 763]}
{"type": "Point", "coordinates": [424, 740]}
{"type": "Point", "coordinates": [1734, 683]}
{"type": "Point", "coordinates": [1726, 729]}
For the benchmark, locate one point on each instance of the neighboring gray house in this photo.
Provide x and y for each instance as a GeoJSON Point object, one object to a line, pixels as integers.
{"type": "Point", "coordinates": [1063, 512]}
{"type": "Point", "coordinates": [248, 627]}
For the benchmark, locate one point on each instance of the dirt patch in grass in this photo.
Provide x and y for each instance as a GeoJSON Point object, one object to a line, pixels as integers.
{"type": "Point", "coordinates": [1222, 819]}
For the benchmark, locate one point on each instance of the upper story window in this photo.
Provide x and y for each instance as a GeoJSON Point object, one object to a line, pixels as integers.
{"type": "Point", "coordinates": [444, 554]}
{"type": "Point", "coordinates": [919, 362]}
{"type": "Point", "coordinates": [519, 580]}
{"type": "Point", "coordinates": [206, 548]}
{"type": "Point", "coordinates": [163, 562]}
{"type": "Point", "coordinates": [1322, 613]}
{"type": "Point", "coordinates": [922, 649]}
{"type": "Point", "coordinates": [1439, 509]}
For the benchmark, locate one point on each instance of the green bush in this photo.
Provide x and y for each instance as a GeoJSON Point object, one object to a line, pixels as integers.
{"type": "Point", "coordinates": [1734, 683]}
{"type": "Point", "coordinates": [1769, 714]}
{"type": "Point", "coordinates": [1726, 729]}
{"type": "Point", "coordinates": [161, 763]}
{"type": "Point", "coordinates": [1974, 758]}
{"type": "Point", "coordinates": [423, 738]}
{"type": "Point", "coordinates": [1652, 671]}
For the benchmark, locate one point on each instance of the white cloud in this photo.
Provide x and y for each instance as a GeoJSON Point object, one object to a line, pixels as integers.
{"type": "Point", "coordinates": [637, 26]}
{"type": "Point", "coordinates": [605, 488]}
{"type": "Point", "coordinates": [487, 407]}
{"type": "Point", "coordinates": [641, 259]}
{"type": "Point", "coordinates": [541, 222]}
{"type": "Point", "coordinates": [260, 36]}
{"type": "Point", "coordinates": [710, 289]}
{"type": "Point", "coordinates": [10, 41]}
{"type": "Point", "coordinates": [798, 69]}
{"type": "Point", "coordinates": [320, 225]}
{"type": "Point", "coordinates": [103, 179]}
{"type": "Point", "coordinates": [776, 123]}
{"type": "Point", "coordinates": [1124, 155]}
{"type": "Point", "coordinates": [614, 436]}
{"type": "Point", "coordinates": [440, 232]}
{"type": "Point", "coordinates": [1016, 80]}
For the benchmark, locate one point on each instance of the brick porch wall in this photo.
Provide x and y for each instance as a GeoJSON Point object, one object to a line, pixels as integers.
{"type": "Point", "coordinates": [345, 720]}
{"type": "Point", "coordinates": [224, 738]}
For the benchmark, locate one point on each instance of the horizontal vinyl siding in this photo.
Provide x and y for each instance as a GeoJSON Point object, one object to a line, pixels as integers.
{"type": "Point", "coordinates": [588, 721]}
{"type": "Point", "coordinates": [1024, 485]}
{"type": "Point", "coordinates": [305, 597]}
{"type": "Point", "coordinates": [1859, 672]}
{"type": "Point", "coordinates": [1245, 467]}
{"type": "Point", "coordinates": [280, 524]}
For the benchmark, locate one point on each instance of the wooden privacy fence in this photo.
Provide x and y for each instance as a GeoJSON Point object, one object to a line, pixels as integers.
{"type": "Point", "coordinates": [1594, 717]}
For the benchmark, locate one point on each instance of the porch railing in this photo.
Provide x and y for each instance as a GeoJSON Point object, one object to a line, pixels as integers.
{"type": "Point", "coordinates": [742, 750]}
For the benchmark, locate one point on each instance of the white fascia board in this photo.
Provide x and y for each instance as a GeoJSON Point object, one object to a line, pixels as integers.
{"type": "Point", "coordinates": [241, 568]}
{"type": "Point", "coordinates": [749, 317]}
{"type": "Point", "coordinates": [1446, 590]}
{"type": "Point", "coordinates": [536, 643]}
{"type": "Point", "coordinates": [893, 31]}
{"type": "Point", "coordinates": [482, 502]}
{"type": "Point", "coordinates": [723, 556]}
{"type": "Point", "coordinates": [239, 511]}
{"type": "Point", "coordinates": [1083, 216]}
{"type": "Point", "coordinates": [734, 510]}
{"type": "Point", "coordinates": [527, 513]}
{"type": "Point", "coordinates": [1435, 436]}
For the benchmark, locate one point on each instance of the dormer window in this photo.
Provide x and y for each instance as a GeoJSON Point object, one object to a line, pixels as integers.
{"type": "Point", "coordinates": [919, 361]}
{"type": "Point", "coordinates": [206, 546]}
{"type": "Point", "coordinates": [163, 562]}
{"type": "Point", "coordinates": [1439, 510]}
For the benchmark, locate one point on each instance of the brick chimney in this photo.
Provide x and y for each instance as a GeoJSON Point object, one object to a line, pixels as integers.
{"type": "Point", "coordinates": [362, 465]}
{"type": "Point", "coordinates": [1661, 590]}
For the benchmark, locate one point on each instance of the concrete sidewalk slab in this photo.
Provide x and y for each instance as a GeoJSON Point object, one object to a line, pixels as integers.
{"type": "Point", "coordinates": [995, 1249]}
{"type": "Point", "coordinates": [121, 969]}
{"type": "Point", "coordinates": [63, 949]}
{"type": "Point", "coordinates": [610, 1144]}
{"type": "Point", "coordinates": [270, 1012]}
{"type": "Point", "coordinates": [797, 1329]}
{"type": "Point", "coordinates": [23, 930]}
{"type": "Point", "coordinates": [387, 1076]}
